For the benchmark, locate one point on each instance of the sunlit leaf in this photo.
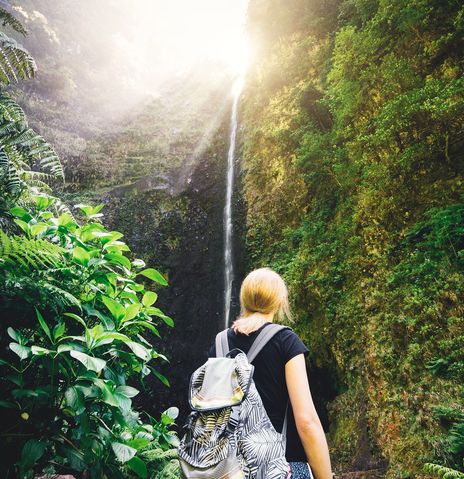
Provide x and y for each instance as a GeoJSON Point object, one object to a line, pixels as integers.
{"type": "Point", "coordinates": [123, 452]}
{"type": "Point", "coordinates": [39, 351]}
{"type": "Point", "coordinates": [149, 298]}
{"type": "Point", "coordinates": [131, 311]}
{"type": "Point", "coordinates": [154, 275]}
{"type": "Point", "coordinates": [22, 351]}
{"type": "Point", "coordinates": [91, 363]}
{"type": "Point", "coordinates": [128, 391]}
{"type": "Point", "coordinates": [115, 308]}
{"type": "Point", "coordinates": [13, 334]}
{"type": "Point", "coordinates": [139, 350]}
{"type": "Point", "coordinates": [81, 256]}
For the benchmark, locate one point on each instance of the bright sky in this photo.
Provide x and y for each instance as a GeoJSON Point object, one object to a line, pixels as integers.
{"type": "Point", "coordinates": [169, 36]}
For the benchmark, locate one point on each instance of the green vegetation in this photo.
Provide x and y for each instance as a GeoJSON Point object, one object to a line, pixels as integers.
{"type": "Point", "coordinates": [353, 177]}
{"type": "Point", "coordinates": [79, 316]}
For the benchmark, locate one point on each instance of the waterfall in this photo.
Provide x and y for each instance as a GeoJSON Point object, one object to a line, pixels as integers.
{"type": "Point", "coordinates": [228, 233]}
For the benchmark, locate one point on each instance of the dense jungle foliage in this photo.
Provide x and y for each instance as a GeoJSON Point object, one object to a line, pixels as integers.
{"type": "Point", "coordinates": [79, 326]}
{"type": "Point", "coordinates": [353, 177]}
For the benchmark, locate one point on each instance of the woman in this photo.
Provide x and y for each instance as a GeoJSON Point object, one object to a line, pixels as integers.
{"type": "Point", "coordinates": [280, 372]}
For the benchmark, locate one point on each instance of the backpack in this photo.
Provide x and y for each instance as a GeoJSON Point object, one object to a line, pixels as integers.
{"type": "Point", "coordinates": [228, 433]}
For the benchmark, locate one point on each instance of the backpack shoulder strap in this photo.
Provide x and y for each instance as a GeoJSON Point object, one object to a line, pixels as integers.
{"type": "Point", "coordinates": [222, 345]}
{"type": "Point", "coordinates": [263, 338]}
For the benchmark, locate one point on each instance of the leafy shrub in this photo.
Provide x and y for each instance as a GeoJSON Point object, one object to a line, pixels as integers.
{"type": "Point", "coordinates": [71, 385]}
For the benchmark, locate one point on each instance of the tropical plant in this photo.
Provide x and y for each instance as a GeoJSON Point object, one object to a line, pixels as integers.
{"type": "Point", "coordinates": [73, 378]}
{"type": "Point", "coordinates": [26, 159]}
{"type": "Point", "coordinates": [442, 471]}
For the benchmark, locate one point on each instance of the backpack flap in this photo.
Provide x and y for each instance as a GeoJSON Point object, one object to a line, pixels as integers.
{"type": "Point", "coordinates": [220, 383]}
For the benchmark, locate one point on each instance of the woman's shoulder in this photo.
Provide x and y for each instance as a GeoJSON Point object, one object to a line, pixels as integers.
{"type": "Point", "coordinates": [290, 344]}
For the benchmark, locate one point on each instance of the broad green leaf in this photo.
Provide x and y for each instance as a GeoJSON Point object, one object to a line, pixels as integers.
{"type": "Point", "coordinates": [74, 399]}
{"type": "Point", "coordinates": [39, 351]}
{"type": "Point", "coordinates": [44, 325]}
{"type": "Point", "coordinates": [146, 325]}
{"type": "Point", "coordinates": [86, 209]}
{"type": "Point", "coordinates": [140, 351]}
{"type": "Point", "coordinates": [145, 434]}
{"type": "Point", "coordinates": [81, 256]}
{"type": "Point", "coordinates": [22, 351]}
{"type": "Point", "coordinates": [138, 442]}
{"type": "Point", "coordinates": [91, 363]}
{"type": "Point", "coordinates": [171, 439]}
{"type": "Point", "coordinates": [138, 466]}
{"type": "Point", "coordinates": [127, 391]}
{"type": "Point", "coordinates": [172, 412]}
{"type": "Point", "coordinates": [77, 318]}
{"type": "Point", "coordinates": [117, 258]}
{"type": "Point", "coordinates": [13, 334]}
{"type": "Point", "coordinates": [91, 231]}
{"type": "Point", "coordinates": [20, 213]}
{"type": "Point", "coordinates": [124, 402]}
{"type": "Point", "coordinates": [157, 312]}
{"type": "Point", "coordinates": [138, 263]}
{"type": "Point", "coordinates": [154, 275]}
{"type": "Point", "coordinates": [123, 452]}
{"type": "Point", "coordinates": [38, 228]}
{"type": "Point", "coordinates": [42, 201]}
{"type": "Point", "coordinates": [116, 247]}
{"type": "Point", "coordinates": [32, 451]}
{"type": "Point", "coordinates": [23, 225]}
{"type": "Point", "coordinates": [107, 394]}
{"type": "Point", "coordinates": [115, 308]}
{"type": "Point", "coordinates": [114, 335]}
{"type": "Point", "coordinates": [149, 298]}
{"type": "Point", "coordinates": [8, 405]}
{"type": "Point", "coordinates": [131, 311]}
{"type": "Point", "coordinates": [137, 287]}
{"type": "Point", "coordinates": [67, 347]}
{"type": "Point", "coordinates": [66, 219]}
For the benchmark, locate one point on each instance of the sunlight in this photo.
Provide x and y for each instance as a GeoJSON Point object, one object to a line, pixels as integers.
{"type": "Point", "coordinates": [165, 38]}
{"type": "Point", "coordinates": [211, 30]}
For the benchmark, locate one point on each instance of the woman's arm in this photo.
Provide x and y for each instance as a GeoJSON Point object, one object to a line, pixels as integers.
{"type": "Point", "coordinates": [307, 421]}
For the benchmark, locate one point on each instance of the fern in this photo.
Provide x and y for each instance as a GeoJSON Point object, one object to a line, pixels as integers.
{"type": "Point", "coordinates": [165, 464]}
{"type": "Point", "coordinates": [28, 254]}
{"type": "Point", "coordinates": [61, 295]}
{"type": "Point", "coordinates": [26, 159]}
{"type": "Point", "coordinates": [15, 61]}
{"type": "Point", "coordinates": [10, 111]}
{"type": "Point", "coordinates": [442, 471]}
{"type": "Point", "coordinates": [8, 19]}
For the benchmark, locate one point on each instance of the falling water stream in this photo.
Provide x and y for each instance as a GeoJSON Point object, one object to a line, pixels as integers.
{"type": "Point", "coordinates": [228, 233]}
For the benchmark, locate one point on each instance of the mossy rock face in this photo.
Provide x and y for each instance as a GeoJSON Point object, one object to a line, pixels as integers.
{"type": "Point", "coordinates": [353, 184]}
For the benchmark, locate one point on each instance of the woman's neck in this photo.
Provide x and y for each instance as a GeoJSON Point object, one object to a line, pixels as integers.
{"type": "Point", "coordinates": [252, 322]}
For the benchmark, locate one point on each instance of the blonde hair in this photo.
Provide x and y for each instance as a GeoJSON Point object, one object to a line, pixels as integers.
{"type": "Point", "coordinates": [262, 291]}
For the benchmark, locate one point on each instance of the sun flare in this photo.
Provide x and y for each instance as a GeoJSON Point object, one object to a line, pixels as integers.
{"type": "Point", "coordinates": [168, 37]}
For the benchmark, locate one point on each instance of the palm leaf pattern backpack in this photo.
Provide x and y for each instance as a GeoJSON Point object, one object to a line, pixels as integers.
{"type": "Point", "coordinates": [228, 433]}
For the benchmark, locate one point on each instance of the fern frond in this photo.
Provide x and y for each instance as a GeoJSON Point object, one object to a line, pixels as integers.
{"type": "Point", "coordinates": [442, 471]}
{"type": "Point", "coordinates": [15, 61]}
{"type": "Point", "coordinates": [10, 111]}
{"type": "Point", "coordinates": [8, 19]}
{"type": "Point", "coordinates": [10, 182]}
{"type": "Point", "coordinates": [67, 298]}
{"type": "Point", "coordinates": [30, 254]}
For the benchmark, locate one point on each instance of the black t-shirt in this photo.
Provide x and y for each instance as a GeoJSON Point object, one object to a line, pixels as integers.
{"type": "Point", "coordinates": [269, 377]}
